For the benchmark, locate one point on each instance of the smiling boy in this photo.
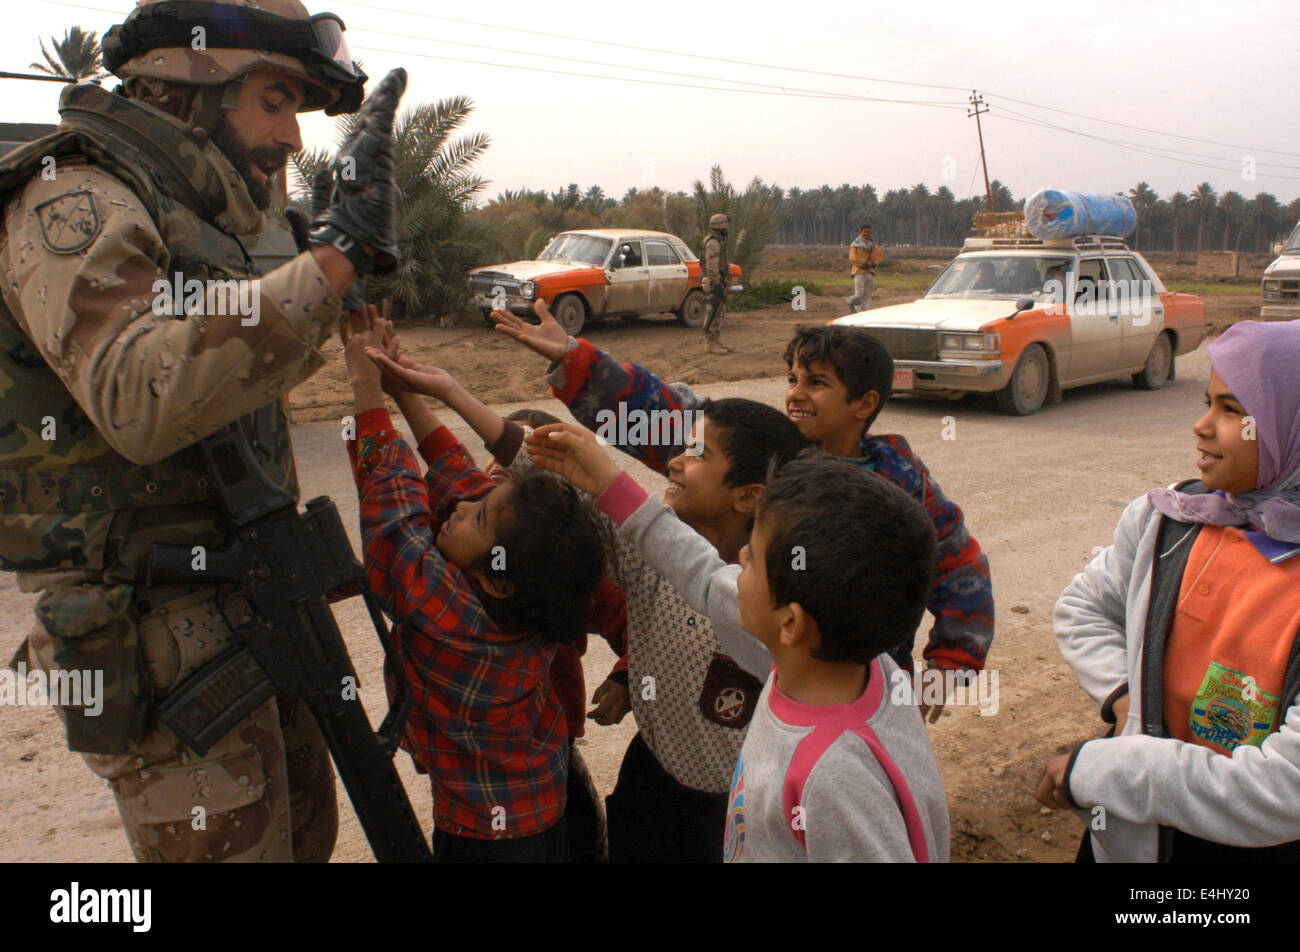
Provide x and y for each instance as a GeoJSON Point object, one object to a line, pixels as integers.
{"type": "Point", "coordinates": [839, 379]}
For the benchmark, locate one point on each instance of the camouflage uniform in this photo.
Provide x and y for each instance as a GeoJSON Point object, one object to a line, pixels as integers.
{"type": "Point", "coordinates": [715, 276]}
{"type": "Point", "coordinates": [103, 400]}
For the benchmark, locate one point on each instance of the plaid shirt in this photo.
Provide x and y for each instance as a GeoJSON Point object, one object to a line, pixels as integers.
{"type": "Point", "coordinates": [588, 380]}
{"type": "Point", "coordinates": [486, 724]}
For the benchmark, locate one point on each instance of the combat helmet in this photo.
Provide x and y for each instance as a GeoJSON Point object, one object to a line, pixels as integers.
{"type": "Point", "coordinates": [209, 43]}
{"type": "Point", "coordinates": [719, 222]}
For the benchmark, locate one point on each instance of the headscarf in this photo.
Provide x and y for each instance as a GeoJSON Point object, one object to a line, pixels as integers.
{"type": "Point", "coordinates": [1260, 364]}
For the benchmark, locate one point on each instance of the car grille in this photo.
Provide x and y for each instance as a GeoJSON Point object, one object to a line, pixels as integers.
{"type": "Point", "coordinates": [1288, 291]}
{"type": "Point", "coordinates": [485, 281]}
{"type": "Point", "coordinates": [907, 343]}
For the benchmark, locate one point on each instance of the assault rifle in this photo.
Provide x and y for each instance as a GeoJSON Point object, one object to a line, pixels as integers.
{"type": "Point", "coordinates": [278, 574]}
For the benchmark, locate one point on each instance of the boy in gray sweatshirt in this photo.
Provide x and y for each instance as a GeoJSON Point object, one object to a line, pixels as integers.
{"type": "Point", "coordinates": [837, 764]}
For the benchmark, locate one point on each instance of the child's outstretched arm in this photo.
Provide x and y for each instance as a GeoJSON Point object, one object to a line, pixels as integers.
{"type": "Point", "coordinates": [599, 391]}
{"type": "Point", "coordinates": [686, 559]}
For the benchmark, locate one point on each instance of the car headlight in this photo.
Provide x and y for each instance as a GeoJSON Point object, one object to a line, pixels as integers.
{"type": "Point", "coordinates": [1272, 285]}
{"type": "Point", "coordinates": [970, 343]}
{"type": "Point", "coordinates": [528, 289]}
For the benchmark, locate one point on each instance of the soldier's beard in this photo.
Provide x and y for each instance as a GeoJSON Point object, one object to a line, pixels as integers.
{"type": "Point", "coordinates": [243, 158]}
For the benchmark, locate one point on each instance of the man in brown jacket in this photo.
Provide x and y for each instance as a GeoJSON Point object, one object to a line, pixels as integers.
{"type": "Point", "coordinates": [864, 255]}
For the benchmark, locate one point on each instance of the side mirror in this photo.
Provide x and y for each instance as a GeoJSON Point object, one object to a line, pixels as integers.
{"type": "Point", "coordinates": [1024, 304]}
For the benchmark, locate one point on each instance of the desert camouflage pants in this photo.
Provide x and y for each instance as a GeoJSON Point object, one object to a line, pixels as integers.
{"type": "Point", "coordinates": [263, 793]}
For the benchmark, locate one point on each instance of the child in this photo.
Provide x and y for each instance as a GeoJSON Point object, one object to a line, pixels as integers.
{"type": "Point", "coordinates": [692, 698]}
{"type": "Point", "coordinates": [483, 582]}
{"type": "Point", "coordinates": [839, 381]}
{"type": "Point", "coordinates": [584, 812]}
{"type": "Point", "coordinates": [836, 765]}
{"type": "Point", "coordinates": [1185, 633]}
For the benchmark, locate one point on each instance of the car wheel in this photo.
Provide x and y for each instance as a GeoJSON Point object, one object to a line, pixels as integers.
{"type": "Point", "coordinates": [570, 313]}
{"type": "Point", "coordinates": [1159, 362]}
{"type": "Point", "coordinates": [1028, 386]}
{"type": "Point", "coordinates": [692, 311]}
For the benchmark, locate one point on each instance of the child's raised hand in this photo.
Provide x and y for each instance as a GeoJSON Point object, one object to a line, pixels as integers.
{"type": "Point", "coordinates": [547, 338]}
{"type": "Point", "coordinates": [359, 331]}
{"type": "Point", "coordinates": [408, 375]}
{"type": "Point", "coordinates": [572, 452]}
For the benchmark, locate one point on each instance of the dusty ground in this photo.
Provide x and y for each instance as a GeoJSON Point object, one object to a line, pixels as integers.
{"type": "Point", "coordinates": [1039, 494]}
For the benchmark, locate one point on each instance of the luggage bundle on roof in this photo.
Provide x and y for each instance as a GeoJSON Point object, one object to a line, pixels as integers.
{"type": "Point", "coordinates": [1000, 225]}
{"type": "Point", "coordinates": [1054, 213]}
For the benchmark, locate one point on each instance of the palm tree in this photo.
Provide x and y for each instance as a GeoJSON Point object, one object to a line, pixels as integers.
{"type": "Point", "coordinates": [76, 57]}
{"type": "Point", "coordinates": [1179, 203]}
{"type": "Point", "coordinates": [919, 195]}
{"type": "Point", "coordinates": [1268, 219]}
{"type": "Point", "coordinates": [1144, 199]}
{"type": "Point", "coordinates": [1232, 205]}
{"type": "Point", "coordinates": [1203, 199]}
{"type": "Point", "coordinates": [439, 244]}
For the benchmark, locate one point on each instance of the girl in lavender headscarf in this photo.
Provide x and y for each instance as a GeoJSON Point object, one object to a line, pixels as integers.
{"type": "Point", "coordinates": [1185, 632]}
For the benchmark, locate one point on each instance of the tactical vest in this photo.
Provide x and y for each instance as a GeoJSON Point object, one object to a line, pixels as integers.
{"type": "Point", "coordinates": [66, 502]}
{"type": "Point", "coordinates": [724, 266]}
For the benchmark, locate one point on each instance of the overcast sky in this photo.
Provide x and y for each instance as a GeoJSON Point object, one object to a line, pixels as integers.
{"type": "Point", "coordinates": [1208, 70]}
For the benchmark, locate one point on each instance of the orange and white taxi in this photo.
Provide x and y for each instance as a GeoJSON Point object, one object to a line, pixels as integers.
{"type": "Point", "coordinates": [600, 272]}
{"type": "Point", "coordinates": [1026, 319]}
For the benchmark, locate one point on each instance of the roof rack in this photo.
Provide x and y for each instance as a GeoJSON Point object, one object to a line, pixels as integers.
{"type": "Point", "coordinates": [1082, 243]}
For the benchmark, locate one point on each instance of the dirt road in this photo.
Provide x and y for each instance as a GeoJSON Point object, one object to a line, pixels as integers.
{"type": "Point", "coordinates": [1039, 494]}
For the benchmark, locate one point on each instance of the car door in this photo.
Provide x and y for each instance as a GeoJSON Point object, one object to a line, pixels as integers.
{"type": "Point", "coordinates": [629, 278]}
{"type": "Point", "coordinates": [1140, 310]}
{"type": "Point", "coordinates": [668, 275]}
{"type": "Point", "coordinates": [1094, 330]}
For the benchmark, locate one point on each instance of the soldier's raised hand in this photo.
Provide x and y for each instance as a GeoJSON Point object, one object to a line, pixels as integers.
{"type": "Point", "coordinates": [546, 338]}
{"type": "Point", "coordinates": [363, 203]}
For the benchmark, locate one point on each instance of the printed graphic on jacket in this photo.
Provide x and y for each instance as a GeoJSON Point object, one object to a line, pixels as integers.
{"type": "Point", "coordinates": [733, 840]}
{"type": "Point", "coordinates": [1230, 709]}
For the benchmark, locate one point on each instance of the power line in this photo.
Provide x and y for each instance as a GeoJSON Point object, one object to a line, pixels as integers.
{"type": "Point", "coordinates": [1140, 145]}
{"type": "Point", "coordinates": [776, 91]}
{"type": "Point", "coordinates": [648, 49]}
{"type": "Point", "coordinates": [1172, 135]}
{"type": "Point", "coordinates": [1133, 148]}
{"type": "Point", "coordinates": [830, 94]}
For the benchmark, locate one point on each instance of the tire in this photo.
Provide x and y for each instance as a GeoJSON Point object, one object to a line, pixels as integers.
{"type": "Point", "coordinates": [1027, 390]}
{"type": "Point", "coordinates": [693, 309]}
{"type": "Point", "coordinates": [570, 312]}
{"type": "Point", "coordinates": [1160, 363]}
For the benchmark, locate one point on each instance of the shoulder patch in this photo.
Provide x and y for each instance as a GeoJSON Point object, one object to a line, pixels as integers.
{"type": "Point", "coordinates": [69, 223]}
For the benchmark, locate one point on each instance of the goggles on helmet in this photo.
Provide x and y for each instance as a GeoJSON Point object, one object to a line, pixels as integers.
{"type": "Point", "coordinates": [316, 42]}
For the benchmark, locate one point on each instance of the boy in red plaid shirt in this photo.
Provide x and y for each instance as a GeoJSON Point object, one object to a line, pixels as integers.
{"type": "Point", "coordinates": [484, 581]}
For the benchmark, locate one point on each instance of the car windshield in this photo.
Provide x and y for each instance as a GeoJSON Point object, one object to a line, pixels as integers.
{"type": "Point", "coordinates": [1001, 276]}
{"type": "Point", "coordinates": [572, 247]}
{"type": "Point", "coordinates": [1293, 243]}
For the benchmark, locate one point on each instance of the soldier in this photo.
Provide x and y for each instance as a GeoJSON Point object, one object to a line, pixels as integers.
{"type": "Point", "coordinates": [715, 276]}
{"type": "Point", "coordinates": [103, 392]}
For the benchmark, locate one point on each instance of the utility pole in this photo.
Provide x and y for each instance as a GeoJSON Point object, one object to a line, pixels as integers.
{"type": "Point", "coordinates": [976, 101]}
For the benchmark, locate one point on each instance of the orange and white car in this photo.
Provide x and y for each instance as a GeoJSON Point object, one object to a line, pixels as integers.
{"type": "Point", "coordinates": [596, 273]}
{"type": "Point", "coordinates": [1025, 319]}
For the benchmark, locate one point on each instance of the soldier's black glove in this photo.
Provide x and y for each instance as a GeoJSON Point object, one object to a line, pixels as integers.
{"type": "Point", "coordinates": [300, 228]}
{"type": "Point", "coordinates": [363, 201]}
{"type": "Point", "coordinates": [321, 186]}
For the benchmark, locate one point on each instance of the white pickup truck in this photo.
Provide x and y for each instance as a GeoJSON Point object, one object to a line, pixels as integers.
{"type": "Point", "coordinates": [1281, 284]}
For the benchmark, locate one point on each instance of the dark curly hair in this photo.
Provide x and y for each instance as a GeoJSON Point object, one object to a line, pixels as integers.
{"type": "Point", "coordinates": [554, 557]}
{"type": "Point", "coordinates": [865, 555]}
